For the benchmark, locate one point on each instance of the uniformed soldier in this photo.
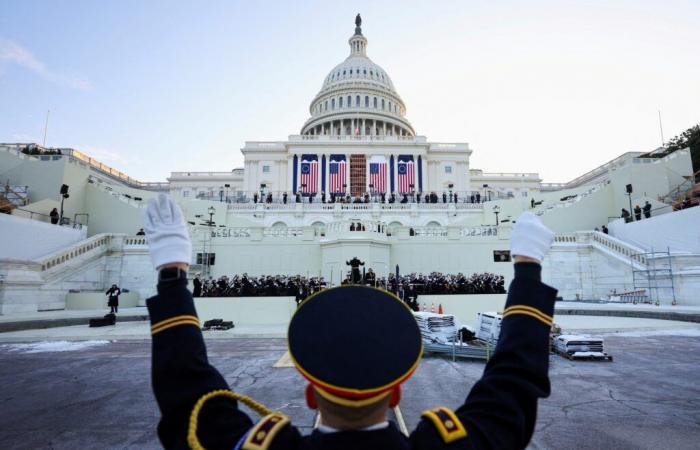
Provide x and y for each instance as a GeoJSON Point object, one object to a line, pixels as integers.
{"type": "Point", "coordinates": [352, 389]}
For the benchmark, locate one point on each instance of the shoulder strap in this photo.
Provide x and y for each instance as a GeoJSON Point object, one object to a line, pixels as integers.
{"type": "Point", "coordinates": [447, 423]}
{"type": "Point", "coordinates": [263, 433]}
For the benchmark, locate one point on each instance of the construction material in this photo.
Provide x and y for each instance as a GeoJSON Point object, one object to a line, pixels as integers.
{"type": "Point", "coordinates": [436, 328]}
{"type": "Point", "coordinates": [488, 326]}
{"type": "Point", "coordinates": [576, 347]}
{"type": "Point", "coordinates": [217, 324]}
{"type": "Point", "coordinates": [473, 350]}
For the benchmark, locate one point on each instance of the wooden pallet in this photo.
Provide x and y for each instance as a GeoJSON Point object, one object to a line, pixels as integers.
{"type": "Point", "coordinates": [603, 357]}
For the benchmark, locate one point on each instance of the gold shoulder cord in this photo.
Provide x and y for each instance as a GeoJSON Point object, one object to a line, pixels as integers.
{"type": "Point", "coordinates": [192, 431]}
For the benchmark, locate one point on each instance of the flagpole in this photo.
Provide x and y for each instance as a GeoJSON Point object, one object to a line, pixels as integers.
{"type": "Point", "coordinates": [48, 111]}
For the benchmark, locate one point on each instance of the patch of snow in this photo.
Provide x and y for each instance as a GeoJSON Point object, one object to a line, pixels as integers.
{"type": "Point", "coordinates": [690, 332]}
{"type": "Point", "coordinates": [48, 347]}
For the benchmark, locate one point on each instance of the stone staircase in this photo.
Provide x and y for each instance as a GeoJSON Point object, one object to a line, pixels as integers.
{"type": "Point", "coordinates": [89, 265]}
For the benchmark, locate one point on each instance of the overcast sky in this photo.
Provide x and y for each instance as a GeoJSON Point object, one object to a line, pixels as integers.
{"type": "Point", "coordinates": [555, 87]}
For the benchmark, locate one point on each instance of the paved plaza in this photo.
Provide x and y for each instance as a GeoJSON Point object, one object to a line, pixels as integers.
{"type": "Point", "coordinates": [97, 394]}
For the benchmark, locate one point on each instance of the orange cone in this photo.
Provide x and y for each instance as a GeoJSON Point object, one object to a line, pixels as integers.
{"type": "Point", "coordinates": [440, 308]}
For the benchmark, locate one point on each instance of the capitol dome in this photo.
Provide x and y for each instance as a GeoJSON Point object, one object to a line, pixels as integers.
{"type": "Point", "coordinates": [357, 98]}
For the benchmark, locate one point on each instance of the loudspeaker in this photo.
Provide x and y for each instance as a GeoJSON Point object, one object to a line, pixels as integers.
{"type": "Point", "coordinates": [628, 188]}
{"type": "Point", "coordinates": [64, 189]}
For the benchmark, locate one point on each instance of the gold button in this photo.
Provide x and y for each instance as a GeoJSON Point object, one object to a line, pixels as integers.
{"type": "Point", "coordinates": [449, 424]}
{"type": "Point", "coordinates": [261, 435]}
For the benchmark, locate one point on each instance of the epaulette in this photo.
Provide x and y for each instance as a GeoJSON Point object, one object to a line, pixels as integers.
{"type": "Point", "coordinates": [260, 437]}
{"type": "Point", "coordinates": [447, 423]}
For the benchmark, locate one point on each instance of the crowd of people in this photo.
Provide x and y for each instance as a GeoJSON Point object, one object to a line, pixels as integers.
{"type": "Point", "coordinates": [638, 210]}
{"type": "Point", "coordinates": [407, 287]}
{"type": "Point", "coordinates": [368, 197]}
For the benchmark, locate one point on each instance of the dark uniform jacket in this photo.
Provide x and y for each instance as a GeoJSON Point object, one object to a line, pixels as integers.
{"type": "Point", "coordinates": [499, 412]}
{"type": "Point", "coordinates": [113, 296]}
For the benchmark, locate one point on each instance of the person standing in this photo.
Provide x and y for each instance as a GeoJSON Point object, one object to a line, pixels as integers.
{"type": "Point", "coordinates": [626, 215]}
{"type": "Point", "coordinates": [647, 210]}
{"type": "Point", "coordinates": [54, 216]}
{"type": "Point", "coordinates": [197, 285]}
{"type": "Point", "coordinates": [637, 213]}
{"type": "Point", "coordinates": [113, 301]}
{"type": "Point", "coordinates": [284, 198]}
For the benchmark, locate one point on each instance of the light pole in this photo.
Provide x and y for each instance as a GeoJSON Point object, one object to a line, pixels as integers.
{"type": "Point", "coordinates": [211, 211]}
{"type": "Point", "coordinates": [496, 210]}
{"type": "Point", "coordinates": [226, 187]}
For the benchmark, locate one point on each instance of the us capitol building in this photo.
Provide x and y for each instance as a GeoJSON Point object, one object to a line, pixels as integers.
{"type": "Point", "coordinates": [357, 141]}
{"type": "Point", "coordinates": [357, 181]}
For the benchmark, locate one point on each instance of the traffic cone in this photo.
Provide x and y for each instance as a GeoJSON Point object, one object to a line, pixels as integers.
{"type": "Point", "coordinates": [432, 308]}
{"type": "Point", "coordinates": [440, 308]}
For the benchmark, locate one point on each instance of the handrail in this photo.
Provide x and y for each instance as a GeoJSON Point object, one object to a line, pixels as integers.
{"type": "Point", "coordinates": [98, 243]}
{"type": "Point", "coordinates": [621, 248]}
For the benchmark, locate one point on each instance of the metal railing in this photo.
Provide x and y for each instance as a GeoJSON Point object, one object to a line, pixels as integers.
{"type": "Point", "coordinates": [266, 197]}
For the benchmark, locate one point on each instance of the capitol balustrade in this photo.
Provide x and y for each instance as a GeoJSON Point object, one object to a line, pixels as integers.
{"type": "Point", "coordinates": [345, 229]}
{"type": "Point", "coordinates": [276, 200]}
{"type": "Point", "coordinates": [365, 137]}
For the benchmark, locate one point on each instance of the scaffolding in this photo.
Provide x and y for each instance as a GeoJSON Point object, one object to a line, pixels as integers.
{"type": "Point", "coordinates": [655, 277]}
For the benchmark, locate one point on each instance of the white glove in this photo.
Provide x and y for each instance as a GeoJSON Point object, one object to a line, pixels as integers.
{"type": "Point", "coordinates": [167, 235]}
{"type": "Point", "coordinates": [530, 237]}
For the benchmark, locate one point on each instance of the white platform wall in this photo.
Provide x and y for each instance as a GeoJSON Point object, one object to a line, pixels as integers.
{"type": "Point", "coordinates": [679, 231]}
{"type": "Point", "coordinates": [22, 238]}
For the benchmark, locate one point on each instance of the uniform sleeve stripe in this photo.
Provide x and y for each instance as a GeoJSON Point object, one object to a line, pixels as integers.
{"type": "Point", "coordinates": [528, 313]}
{"type": "Point", "coordinates": [173, 319]}
{"type": "Point", "coordinates": [531, 309]}
{"type": "Point", "coordinates": [160, 328]}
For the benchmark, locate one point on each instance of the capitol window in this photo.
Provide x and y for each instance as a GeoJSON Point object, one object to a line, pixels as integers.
{"type": "Point", "coordinates": [340, 102]}
{"type": "Point", "coordinates": [366, 101]}
{"type": "Point", "coordinates": [325, 108]}
{"type": "Point", "coordinates": [343, 72]}
{"type": "Point", "coordinates": [185, 193]}
{"type": "Point", "coordinates": [349, 101]}
{"type": "Point", "coordinates": [357, 101]}
{"type": "Point", "coordinates": [382, 104]}
{"type": "Point", "coordinates": [448, 169]}
{"type": "Point", "coordinates": [350, 71]}
{"type": "Point", "coordinates": [364, 71]}
{"type": "Point", "coordinates": [371, 74]}
{"type": "Point", "coordinates": [332, 103]}
{"type": "Point", "coordinates": [266, 169]}
{"type": "Point", "coordinates": [375, 102]}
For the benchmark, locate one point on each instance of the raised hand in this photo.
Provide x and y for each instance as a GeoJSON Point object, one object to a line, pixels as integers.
{"type": "Point", "coordinates": [168, 240]}
{"type": "Point", "coordinates": [530, 238]}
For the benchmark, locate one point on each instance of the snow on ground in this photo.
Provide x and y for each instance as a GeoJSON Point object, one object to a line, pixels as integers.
{"type": "Point", "coordinates": [689, 332]}
{"type": "Point", "coordinates": [48, 347]}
